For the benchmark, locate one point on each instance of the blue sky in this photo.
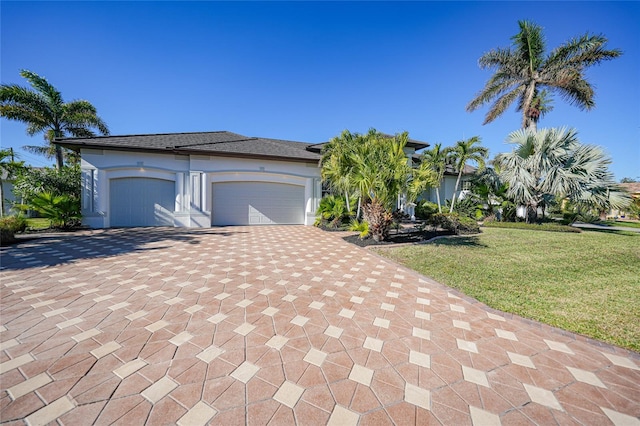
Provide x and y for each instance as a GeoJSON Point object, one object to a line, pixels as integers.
{"type": "Point", "coordinates": [305, 71]}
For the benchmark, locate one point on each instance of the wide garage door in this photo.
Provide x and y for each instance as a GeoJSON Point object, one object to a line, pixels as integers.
{"type": "Point", "coordinates": [257, 203]}
{"type": "Point", "coordinates": [142, 202]}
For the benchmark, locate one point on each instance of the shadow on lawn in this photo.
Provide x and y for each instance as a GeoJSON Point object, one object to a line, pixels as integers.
{"type": "Point", "coordinates": [612, 231]}
{"type": "Point", "coordinates": [43, 250]}
{"type": "Point", "coordinates": [469, 241]}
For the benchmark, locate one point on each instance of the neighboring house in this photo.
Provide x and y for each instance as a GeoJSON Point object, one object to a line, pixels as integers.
{"type": "Point", "coordinates": [634, 190]}
{"type": "Point", "coordinates": [448, 185]}
{"type": "Point", "coordinates": [7, 195]}
{"type": "Point", "coordinates": [196, 180]}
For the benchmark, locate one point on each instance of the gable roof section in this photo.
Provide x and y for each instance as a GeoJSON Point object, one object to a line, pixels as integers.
{"type": "Point", "coordinates": [204, 143]}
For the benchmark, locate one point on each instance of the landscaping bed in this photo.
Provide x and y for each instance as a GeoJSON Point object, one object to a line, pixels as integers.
{"type": "Point", "coordinates": [404, 236]}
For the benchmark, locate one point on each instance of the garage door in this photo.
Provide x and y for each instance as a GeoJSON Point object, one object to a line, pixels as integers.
{"type": "Point", "coordinates": [257, 203]}
{"type": "Point", "coordinates": [141, 202]}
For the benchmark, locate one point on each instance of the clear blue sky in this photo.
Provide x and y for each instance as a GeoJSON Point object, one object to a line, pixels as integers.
{"type": "Point", "coordinates": [305, 71]}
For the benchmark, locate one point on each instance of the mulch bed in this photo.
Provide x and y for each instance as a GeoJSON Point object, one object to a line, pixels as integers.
{"type": "Point", "coordinates": [403, 237]}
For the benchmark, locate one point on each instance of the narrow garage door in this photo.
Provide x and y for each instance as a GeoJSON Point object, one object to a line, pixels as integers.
{"type": "Point", "coordinates": [142, 202]}
{"type": "Point", "coordinates": [257, 203]}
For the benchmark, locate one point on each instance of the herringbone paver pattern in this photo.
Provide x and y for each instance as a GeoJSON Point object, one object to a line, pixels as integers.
{"type": "Point", "coordinates": [277, 325]}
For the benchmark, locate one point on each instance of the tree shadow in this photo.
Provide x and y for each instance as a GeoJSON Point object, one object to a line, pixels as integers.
{"type": "Point", "coordinates": [44, 250]}
{"type": "Point", "coordinates": [612, 231]}
{"type": "Point", "coordinates": [458, 241]}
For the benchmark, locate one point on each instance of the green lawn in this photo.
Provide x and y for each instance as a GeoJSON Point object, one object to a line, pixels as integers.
{"type": "Point", "coordinates": [38, 223]}
{"type": "Point", "coordinates": [620, 223]}
{"type": "Point", "coordinates": [588, 283]}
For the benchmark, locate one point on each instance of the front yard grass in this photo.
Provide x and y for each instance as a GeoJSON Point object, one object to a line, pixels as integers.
{"type": "Point", "coordinates": [36, 223]}
{"type": "Point", "coordinates": [588, 283]}
{"type": "Point", "coordinates": [620, 223]}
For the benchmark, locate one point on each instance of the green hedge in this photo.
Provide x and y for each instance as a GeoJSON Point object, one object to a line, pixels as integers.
{"type": "Point", "coordinates": [459, 225]}
{"type": "Point", "coordinates": [9, 226]}
{"type": "Point", "coordinates": [550, 227]}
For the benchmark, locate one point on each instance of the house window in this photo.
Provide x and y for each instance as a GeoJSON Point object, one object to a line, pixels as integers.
{"type": "Point", "coordinates": [89, 180]}
{"type": "Point", "coordinates": [466, 185]}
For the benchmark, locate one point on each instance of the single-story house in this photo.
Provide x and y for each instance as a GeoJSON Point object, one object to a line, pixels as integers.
{"type": "Point", "coordinates": [196, 180]}
{"type": "Point", "coordinates": [204, 179]}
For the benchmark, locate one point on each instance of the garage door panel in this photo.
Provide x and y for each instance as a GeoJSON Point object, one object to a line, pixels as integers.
{"type": "Point", "coordinates": [257, 203]}
{"type": "Point", "coordinates": [141, 202]}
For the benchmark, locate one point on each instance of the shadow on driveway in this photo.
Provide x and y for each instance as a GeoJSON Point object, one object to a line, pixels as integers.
{"type": "Point", "coordinates": [42, 250]}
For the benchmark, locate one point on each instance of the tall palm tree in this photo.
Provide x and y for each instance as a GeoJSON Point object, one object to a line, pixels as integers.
{"type": "Point", "coordinates": [550, 163]}
{"type": "Point", "coordinates": [42, 109]}
{"type": "Point", "coordinates": [437, 159]}
{"type": "Point", "coordinates": [524, 71]}
{"type": "Point", "coordinates": [463, 152]}
{"type": "Point", "coordinates": [380, 173]}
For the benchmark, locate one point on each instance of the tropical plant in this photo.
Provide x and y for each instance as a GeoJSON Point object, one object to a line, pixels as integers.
{"type": "Point", "coordinates": [9, 167]}
{"type": "Point", "coordinates": [524, 73]}
{"type": "Point", "coordinates": [380, 173]}
{"type": "Point", "coordinates": [332, 211]}
{"type": "Point", "coordinates": [463, 152]}
{"type": "Point", "coordinates": [551, 163]}
{"type": "Point", "coordinates": [437, 158]}
{"type": "Point", "coordinates": [62, 210]}
{"type": "Point", "coordinates": [336, 164]}
{"type": "Point", "coordinates": [489, 188]}
{"type": "Point", "coordinates": [375, 168]}
{"type": "Point", "coordinates": [30, 181]}
{"type": "Point", "coordinates": [360, 226]}
{"type": "Point", "coordinates": [425, 209]}
{"type": "Point", "coordinates": [455, 223]}
{"type": "Point", "coordinates": [43, 109]}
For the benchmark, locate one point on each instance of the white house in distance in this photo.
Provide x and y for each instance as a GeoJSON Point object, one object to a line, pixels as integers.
{"type": "Point", "coordinates": [202, 179]}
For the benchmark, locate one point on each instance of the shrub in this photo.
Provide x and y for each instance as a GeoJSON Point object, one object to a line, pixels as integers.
{"type": "Point", "coordinates": [62, 210]}
{"type": "Point", "coordinates": [17, 224]}
{"type": "Point", "coordinates": [332, 211]}
{"type": "Point", "coordinates": [9, 226]}
{"type": "Point", "coordinates": [459, 225]}
{"type": "Point", "coordinates": [361, 227]}
{"type": "Point", "coordinates": [426, 209]}
{"type": "Point", "coordinates": [551, 227]}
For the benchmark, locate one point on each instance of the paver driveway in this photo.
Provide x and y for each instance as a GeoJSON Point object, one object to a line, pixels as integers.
{"type": "Point", "coordinates": [277, 325]}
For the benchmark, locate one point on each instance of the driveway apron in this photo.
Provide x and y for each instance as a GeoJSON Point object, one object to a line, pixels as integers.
{"type": "Point", "coordinates": [277, 325]}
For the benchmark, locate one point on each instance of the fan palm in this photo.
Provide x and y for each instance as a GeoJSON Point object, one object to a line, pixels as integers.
{"type": "Point", "coordinates": [43, 110]}
{"type": "Point", "coordinates": [524, 74]}
{"type": "Point", "coordinates": [551, 163]}
{"type": "Point", "coordinates": [437, 159]}
{"type": "Point", "coordinates": [463, 152]}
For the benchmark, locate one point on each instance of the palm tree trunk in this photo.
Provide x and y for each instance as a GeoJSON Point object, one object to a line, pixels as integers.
{"type": "Point", "coordinates": [346, 197]}
{"type": "Point", "coordinates": [438, 198]}
{"type": "Point", "coordinates": [359, 205]}
{"type": "Point", "coordinates": [527, 122]}
{"type": "Point", "coordinates": [453, 199]}
{"type": "Point", "coordinates": [59, 157]}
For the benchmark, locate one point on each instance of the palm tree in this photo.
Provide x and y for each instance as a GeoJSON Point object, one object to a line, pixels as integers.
{"type": "Point", "coordinates": [550, 163]}
{"type": "Point", "coordinates": [42, 109]}
{"type": "Point", "coordinates": [437, 159]}
{"type": "Point", "coordinates": [380, 173]}
{"type": "Point", "coordinates": [336, 163]}
{"type": "Point", "coordinates": [463, 152]}
{"type": "Point", "coordinates": [523, 72]}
